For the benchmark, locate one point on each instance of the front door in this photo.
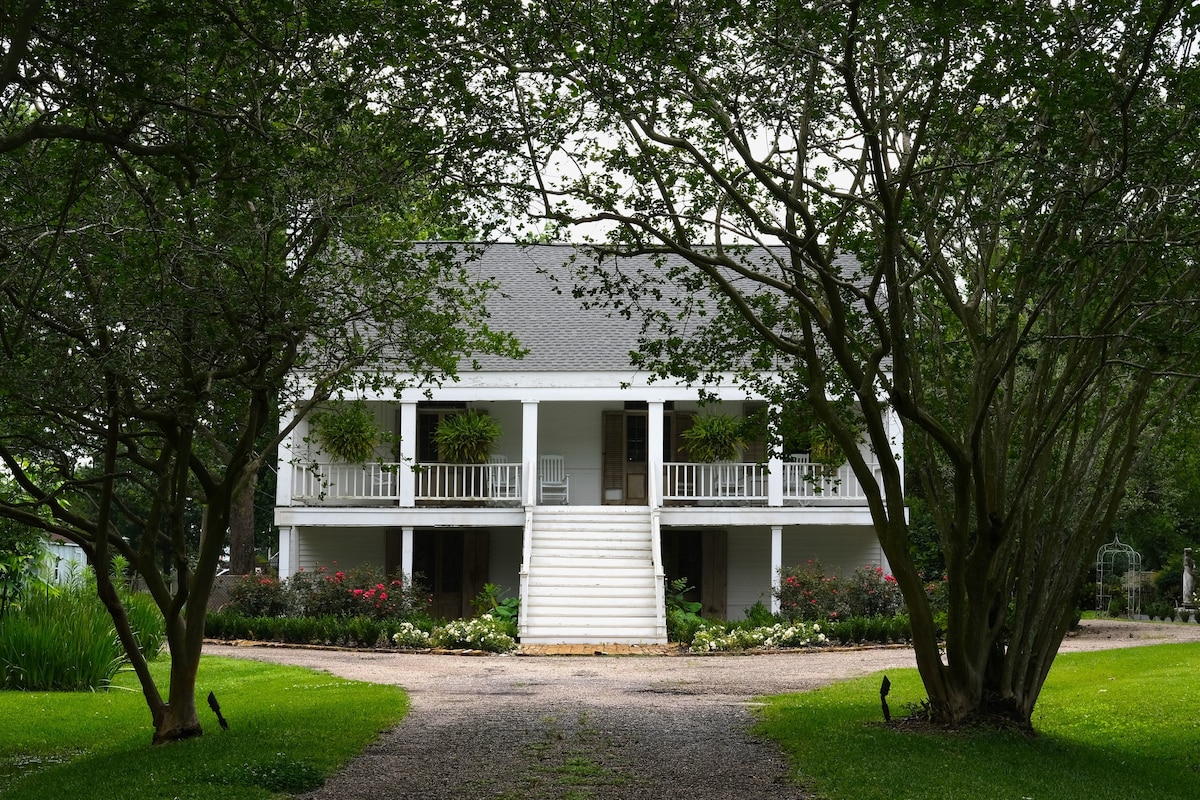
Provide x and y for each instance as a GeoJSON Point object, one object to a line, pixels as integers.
{"type": "Point", "coordinates": [626, 457]}
{"type": "Point", "coordinates": [627, 452]}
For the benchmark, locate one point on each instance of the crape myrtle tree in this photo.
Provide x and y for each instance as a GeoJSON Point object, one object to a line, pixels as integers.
{"type": "Point", "coordinates": [201, 202]}
{"type": "Point", "coordinates": [980, 215]}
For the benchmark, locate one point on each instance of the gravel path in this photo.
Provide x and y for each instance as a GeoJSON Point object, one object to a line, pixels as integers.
{"type": "Point", "coordinates": [595, 728]}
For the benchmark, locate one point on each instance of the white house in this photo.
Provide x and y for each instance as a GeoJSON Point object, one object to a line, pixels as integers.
{"type": "Point", "coordinates": [590, 501]}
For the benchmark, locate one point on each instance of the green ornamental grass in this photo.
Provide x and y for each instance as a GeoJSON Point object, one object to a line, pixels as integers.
{"type": "Point", "coordinates": [289, 729]}
{"type": "Point", "coordinates": [1118, 724]}
{"type": "Point", "coordinates": [61, 638]}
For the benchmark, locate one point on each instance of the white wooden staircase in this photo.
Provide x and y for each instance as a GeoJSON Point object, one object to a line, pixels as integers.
{"type": "Point", "coordinates": [591, 577]}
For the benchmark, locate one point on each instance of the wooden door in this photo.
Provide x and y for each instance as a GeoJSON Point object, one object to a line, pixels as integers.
{"type": "Point", "coordinates": [453, 565]}
{"type": "Point", "coordinates": [626, 458]}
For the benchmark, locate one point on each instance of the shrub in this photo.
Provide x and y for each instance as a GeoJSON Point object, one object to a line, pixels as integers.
{"type": "Point", "coordinates": [806, 592]}
{"type": "Point", "coordinates": [717, 637]}
{"type": "Point", "coordinates": [258, 596]}
{"type": "Point", "coordinates": [481, 633]}
{"type": "Point", "coordinates": [410, 637]}
{"type": "Point", "coordinates": [146, 621]}
{"type": "Point", "coordinates": [758, 615]}
{"type": "Point", "coordinates": [505, 611]}
{"type": "Point", "coordinates": [682, 626]}
{"type": "Point", "coordinates": [683, 615]}
{"type": "Point", "coordinates": [869, 592]}
{"type": "Point", "coordinates": [360, 592]}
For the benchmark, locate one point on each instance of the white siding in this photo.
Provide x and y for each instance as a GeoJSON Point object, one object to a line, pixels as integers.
{"type": "Point", "coordinates": [349, 547]}
{"type": "Point", "coordinates": [839, 549]}
{"type": "Point", "coordinates": [573, 430]}
{"type": "Point", "coordinates": [749, 570]}
{"type": "Point", "coordinates": [504, 560]}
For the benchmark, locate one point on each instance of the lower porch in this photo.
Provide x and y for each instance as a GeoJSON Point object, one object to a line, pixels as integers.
{"type": "Point", "coordinates": [590, 574]}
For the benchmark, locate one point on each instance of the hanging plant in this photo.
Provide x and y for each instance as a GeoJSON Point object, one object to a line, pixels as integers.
{"type": "Point", "coordinates": [347, 432]}
{"type": "Point", "coordinates": [466, 438]}
{"type": "Point", "coordinates": [714, 437]}
{"type": "Point", "coordinates": [824, 449]}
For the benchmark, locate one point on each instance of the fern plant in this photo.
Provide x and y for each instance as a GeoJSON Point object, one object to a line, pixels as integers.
{"type": "Point", "coordinates": [466, 438]}
{"type": "Point", "coordinates": [347, 432]}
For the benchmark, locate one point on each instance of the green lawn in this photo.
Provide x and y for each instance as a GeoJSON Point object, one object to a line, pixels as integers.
{"type": "Point", "coordinates": [1120, 724]}
{"type": "Point", "coordinates": [289, 728]}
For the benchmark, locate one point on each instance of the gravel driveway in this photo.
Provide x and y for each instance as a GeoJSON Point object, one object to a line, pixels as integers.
{"type": "Point", "coordinates": [594, 728]}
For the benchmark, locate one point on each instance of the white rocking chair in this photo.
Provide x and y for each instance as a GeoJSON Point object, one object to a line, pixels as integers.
{"type": "Point", "coordinates": [503, 486]}
{"type": "Point", "coordinates": [553, 480]}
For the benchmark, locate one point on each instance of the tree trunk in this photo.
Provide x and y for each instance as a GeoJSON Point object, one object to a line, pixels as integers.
{"type": "Point", "coordinates": [241, 529]}
{"type": "Point", "coordinates": [177, 719]}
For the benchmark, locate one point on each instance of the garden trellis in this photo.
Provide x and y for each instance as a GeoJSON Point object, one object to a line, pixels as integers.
{"type": "Point", "coordinates": [1118, 567]}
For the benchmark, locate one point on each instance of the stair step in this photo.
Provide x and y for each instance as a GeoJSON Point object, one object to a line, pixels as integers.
{"type": "Point", "coordinates": [627, 607]}
{"type": "Point", "coordinates": [590, 577]}
{"type": "Point", "coordinates": [643, 588]}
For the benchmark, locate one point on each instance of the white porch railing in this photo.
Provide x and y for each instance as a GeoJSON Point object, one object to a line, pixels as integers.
{"type": "Point", "coordinates": [345, 481]}
{"type": "Point", "coordinates": [724, 480]}
{"type": "Point", "coordinates": [809, 481]}
{"type": "Point", "coordinates": [747, 482]}
{"type": "Point", "coordinates": [499, 483]}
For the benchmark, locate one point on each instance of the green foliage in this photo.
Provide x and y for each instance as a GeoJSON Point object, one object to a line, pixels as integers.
{"type": "Point", "coordinates": [258, 596]}
{"type": "Point", "coordinates": [1098, 710]}
{"type": "Point", "coordinates": [466, 438]}
{"type": "Point", "coordinates": [683, 615]}
{"type": "Point", "coordinates": [715, 437]}
{"type": "Point", "coordinates": [482, 633]}
{"type": "Point", "coordinates": [178, 246]}
{"type": "Point", "coordinates": [62, 638]}
{"type": "Point", "coordinates": [20, 552]}
{"type": "Point", "coordinates": [326, 592]}
{"type": "Point", "coordinates": [59, 641]}
{"type": "Point", "coordinates": [930, 233]}
{"type": "Point", "coordinates": [807, 593]}
{"type": "Point", "coordinates": [347, 432]}
{"type": "Point", "coordinates": [290, 729]}
{"type": "Point", "coordinates": [759, 615]}
{"type": "Point", "coordinates": [504, 610]}
{"type": "Point", "coordinates": [1168, 581]}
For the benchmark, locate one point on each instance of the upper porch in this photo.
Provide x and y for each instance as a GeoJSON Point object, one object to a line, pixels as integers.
{"type": "Point", "coordinates": [601, 451]}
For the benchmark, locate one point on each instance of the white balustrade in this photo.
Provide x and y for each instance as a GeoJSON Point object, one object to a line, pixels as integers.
{"type": "Point", "coordinates": [330, 483]}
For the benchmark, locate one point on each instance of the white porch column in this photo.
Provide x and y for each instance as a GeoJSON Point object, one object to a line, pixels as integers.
{"type": "Point", "coordinates": [406, 552]}
{"type": "Point", "coordinates": [654, 438]}
{"type": "Point", "coordinates": [406, 480]}
{"type": "Point", "coordinates": [775, 461]}
{"type": "Point", "coordinates": [289, 551]}
{"type": "Point", "coordinates": [283, 478]}
{"type": "Point", "coordinates": [529, 451]}
{"type": "Point", "coordinates": [776, 565]}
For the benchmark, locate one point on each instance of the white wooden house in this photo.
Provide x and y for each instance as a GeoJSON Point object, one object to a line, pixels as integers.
{"type": "Point", "coordinates": [590, 501]}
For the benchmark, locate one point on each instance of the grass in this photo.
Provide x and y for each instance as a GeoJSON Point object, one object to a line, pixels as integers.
{"type": "Point", "coordinates": [289, 729]}
{"type": "Point", "coordinates": [1115, 724]}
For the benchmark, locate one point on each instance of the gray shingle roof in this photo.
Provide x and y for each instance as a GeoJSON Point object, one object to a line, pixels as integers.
{"type": "Point", "coordinates": [535, 303]}
{"type": "Point", "coordinates": [559, 333]}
